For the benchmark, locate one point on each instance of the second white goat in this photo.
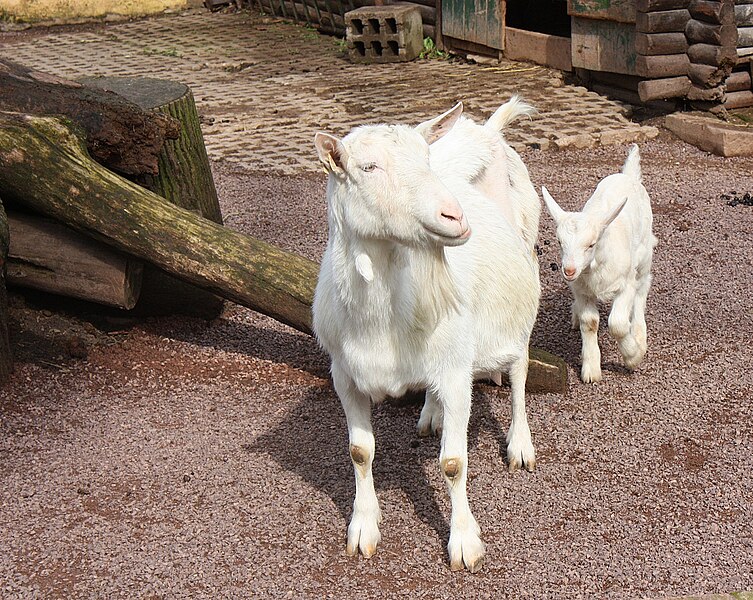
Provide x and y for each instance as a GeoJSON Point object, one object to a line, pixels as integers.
{"type": "Point", "coordinates": [606, 252]}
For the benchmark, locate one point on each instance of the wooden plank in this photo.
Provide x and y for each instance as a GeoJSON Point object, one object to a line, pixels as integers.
{"type": "Point", "coordinates": [738, 81]}
{"type": "Point", "coordinates": [658, 67]}
{"type": "Point", "coordinates": [661, 89]}
{"type": "Point", "coordinates": [653, 5]}
{"type": "Point", "coordinates": [48, 256]}
{"type": "Point", "coordinates": [627, 82]}
{"type": "Point", "coordinates": [707, 75]}
{"type": "Point", "coordinates": [738, 100]}
{"type": "Point", "coordinates": [710, 54]}
{"type": "Point", "coordinates": [477, 21]}
{"type": "Point", "coordinates": [617, 93]}
{"type": "Point", "coordinates": [712, 11]}
{"type": "Point", "coordinates": [663, 21]}
{"type": "Point", "coordinates": [699, 32]}
{"type": "Point", "coordinates": [622, 11]}
{"type": "Point", "coordinates": [603, 46]}
{"type": "Point", "coordinates": [660, 43]}
{"type": "Point", "coordinates": [744, 15]}
{"type": "Point", "coordinates": [549, 50]}
{"type": "Point", "coordinates": [744, 37]}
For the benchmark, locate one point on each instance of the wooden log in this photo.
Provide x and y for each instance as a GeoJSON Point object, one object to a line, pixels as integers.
{"type": "Point", "coordinates": [48, 256]}
{"type": "Point", "coordinates": [6, 354]}
{"type": "Point", "coordinates": [661, 89]}
{"type": "Point", "coordinates": [184, 179]}
{"type": "Point", "coordinates": [550, 50]}
{"type": "Point", "coordinates": [119, 134]}
{"type": "Point", "coordinates": [711, 96]}
{"type": "Point", "coordinates": [665, 21]}
{"type": "Point", "coordinates": [708, 76]}
{"type": "Point", "coordinates": [745, 37]}
{"type": "Point", "coordinates": [655, 5]}
{"type": "Point", "coordinates": [744, 15]}
{"type": "Point", "coordinates": [712, 11]}
{"type": "Point", "coordinates": [699, 32]}
{"type": "Point", "coordinates": [709, 54]}
{"type": "Point", "coordinates": [659, 67]}
{"type": "Point", "coordinates": [652, 44]}
{"type": "Point", "coordinates": [742, 99]}
{"type": "Point", "coordinates": [42, 160]}
{"type": "Point", "coordinates": [622, 11]}
{"type": "Point", "coordinates": [616, 93]}
{"type": "Point", "coordinates": [738, 81]}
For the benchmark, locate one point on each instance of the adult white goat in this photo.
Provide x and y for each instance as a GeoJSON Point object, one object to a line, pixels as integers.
{"type": "Point", "coordinates": [408, 298]}
{"type": "Point", "coordinates": [606, 251]}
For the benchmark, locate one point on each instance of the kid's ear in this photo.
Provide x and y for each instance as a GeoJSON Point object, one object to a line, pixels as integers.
{"type": "Point", "coordinates": [552, 206]}
{"type": "Point", "coordinates": [613, 215]}
{"type": "Point", "coordinates": [435, 128]}
{"type": "Point", "coordinates": [331, 152]}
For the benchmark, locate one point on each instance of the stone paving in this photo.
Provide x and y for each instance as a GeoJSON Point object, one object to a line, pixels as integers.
{"type": "Point", "coordinates": [264, 86]}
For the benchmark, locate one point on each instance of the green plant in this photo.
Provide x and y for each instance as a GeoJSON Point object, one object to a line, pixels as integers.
{"type": "Point", "coordinates": [341, 44]}
{"type": "Point", "coordinates": [431, 51]}
{"type": "Point", "coordinates": [161, 51]}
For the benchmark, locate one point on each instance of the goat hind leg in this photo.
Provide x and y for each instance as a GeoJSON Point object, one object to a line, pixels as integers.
{"type": "Point", "coordinates": [430, 421]}
{"type": "Point", "coordinates": [639, 315]}
{"type": "Point", "coordinates": [363, 530]}
{"type": "Point", "coordinates": [465, 546]}
{"type": "Point", "coordinates": [621, 327]}
{"type": "Point", "coordinates": [520, 450]}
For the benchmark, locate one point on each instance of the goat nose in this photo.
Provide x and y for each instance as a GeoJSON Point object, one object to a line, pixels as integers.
{"type": "Point", "coordinates": [452, 215]}
{"type": "Point", "coordinates": [569, 271]}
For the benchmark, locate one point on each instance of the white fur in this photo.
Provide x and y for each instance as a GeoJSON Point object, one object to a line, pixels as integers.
{"type": "Point", "coordinates": [606, 251]}
{"type": "Point", "coordinates": [436, 306]}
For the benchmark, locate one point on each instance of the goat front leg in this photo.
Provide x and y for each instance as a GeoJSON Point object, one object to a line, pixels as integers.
{"type": "Point", "coordinates": [520, 450]}
{"type": "Point", "coordinates": [590, 355]}
{"type": "Point", "coordinates": [363, 531]}
{"type": "Point", "coordinates": [465, 546]}
{"type": "Point", "coordinates": [620, 326]}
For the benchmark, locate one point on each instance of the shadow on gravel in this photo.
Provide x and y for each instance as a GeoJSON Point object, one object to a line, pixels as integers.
{"type": "Point", "coordinates": [311, 442]}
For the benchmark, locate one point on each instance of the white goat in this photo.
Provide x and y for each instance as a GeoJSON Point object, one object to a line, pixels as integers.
{"type": "Point", "coordinates": [407, 298]}
{"type": "Point", "coordinates": [606, 250]}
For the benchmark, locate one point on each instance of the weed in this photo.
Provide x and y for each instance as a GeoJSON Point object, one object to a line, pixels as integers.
{"type": "Point", "coordinates": [161, 52]}
{"type": "Point", "coordinates": [431, 51]}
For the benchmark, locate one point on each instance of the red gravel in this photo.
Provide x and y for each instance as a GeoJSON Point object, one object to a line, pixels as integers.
{"type": "Point", "coordinates": [185, 459]}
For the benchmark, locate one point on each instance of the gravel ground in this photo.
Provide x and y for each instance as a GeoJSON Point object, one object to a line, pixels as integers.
{"type": "Point", "coordinates": [185, 459]}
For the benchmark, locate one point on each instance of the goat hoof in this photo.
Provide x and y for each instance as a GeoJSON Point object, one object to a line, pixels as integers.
{"type": "Point", "coordinates": [589, 375]}
{"type": "Point", "coordinates": [466, 551]}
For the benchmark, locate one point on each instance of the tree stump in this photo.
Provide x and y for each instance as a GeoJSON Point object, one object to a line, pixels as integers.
{"type": "Point", "coordinates": [6, 357]}
{"type": "Point", "coordinates": [184, 179]}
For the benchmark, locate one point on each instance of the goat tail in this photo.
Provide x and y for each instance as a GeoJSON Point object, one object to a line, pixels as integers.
{"type": "Point", "coordinates": [632, 166]}
{"type": "Point", "coordinates": [508, 112]}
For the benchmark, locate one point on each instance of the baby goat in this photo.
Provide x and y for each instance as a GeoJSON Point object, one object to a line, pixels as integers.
{"type": "Point", "coordinates": [407, 298]}
{"type": "Point", "coordinates": [607, 249]}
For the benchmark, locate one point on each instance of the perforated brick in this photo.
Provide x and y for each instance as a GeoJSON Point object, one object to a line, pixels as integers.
{"type": "Point", "coordinates": [384, 34]}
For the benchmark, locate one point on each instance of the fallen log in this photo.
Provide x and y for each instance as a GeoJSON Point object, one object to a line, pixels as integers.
{"type": "Point", "coordinates": [44, 166]}
{"type": "Point", "coordinates": [119, 134]}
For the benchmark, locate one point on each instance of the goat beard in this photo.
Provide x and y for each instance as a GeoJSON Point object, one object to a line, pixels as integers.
{"type": "Point", "coordinates": [436, 292]}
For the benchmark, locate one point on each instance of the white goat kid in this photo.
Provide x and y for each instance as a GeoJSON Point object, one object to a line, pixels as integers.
{"type": "Point", "coordinates": [607, 250]}
{"type": "Point", "coordinates": [407, 298]}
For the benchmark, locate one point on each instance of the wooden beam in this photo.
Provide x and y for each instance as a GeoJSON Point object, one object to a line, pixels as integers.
{"type": "Point", "coordinates": [654, 5]}
{"type": "Point", "coordinates": [652, 44]}
{"type": "Point", "coordinates": [622, 11]}
{"type": "Point", "coordinates": [658, 67]}
{"type": "Point", "coordinates": [550, 50]}
{"type": "Point", "coordinates": [699, 32]}
{"type": "Point", "coordinates": [665, 21]}
{"type": "Point", "coordinates": [739, 81]}
{"type": "Point", "coordinates": [712, 11]}
{"type": "Point", "coordinates": [710, 54]}
{"type": "Point", "coordinates": [742, 99]}
{"type": "Point", "coordinates": [48, 256]}
{"type": "Point", "coordinates": [661, 89]}
{"type": "Point", "coordinates": [744, 15]}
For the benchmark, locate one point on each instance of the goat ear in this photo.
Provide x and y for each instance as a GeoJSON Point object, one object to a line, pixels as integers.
{"type": "Point", "coordinates": [331, 152]}
{"type": "Point", "coordinates": [435, 128]}
{"type": "Point", "coordinates": [613, 215]}
{"type": "Point", "coordinates": [552, 206]}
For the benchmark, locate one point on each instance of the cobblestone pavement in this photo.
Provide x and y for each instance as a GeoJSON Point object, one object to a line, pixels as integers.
{"type": "Point", "coordinates": [264, 86]}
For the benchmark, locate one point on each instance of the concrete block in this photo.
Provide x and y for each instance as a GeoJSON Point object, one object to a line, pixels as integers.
{"type": "Point", "coordinates": [384, 34]}
{"type": "Point", "coordinates": [708, 133]}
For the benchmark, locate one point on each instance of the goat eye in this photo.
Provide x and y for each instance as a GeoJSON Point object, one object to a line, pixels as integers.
{"type": "Point", "coordinates": [369, 167]}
